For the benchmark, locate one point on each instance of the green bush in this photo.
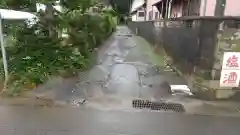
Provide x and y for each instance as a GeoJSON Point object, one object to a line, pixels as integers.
{"type": "Point", "coordinates": [36, 56]}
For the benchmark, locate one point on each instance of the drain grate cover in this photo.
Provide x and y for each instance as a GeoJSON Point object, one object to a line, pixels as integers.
{"type": "Point", "coordinates": [161, 105]}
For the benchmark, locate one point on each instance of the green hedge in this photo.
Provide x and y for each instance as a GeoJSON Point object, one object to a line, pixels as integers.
{"type": "Point", "coordinates": [36, 57]}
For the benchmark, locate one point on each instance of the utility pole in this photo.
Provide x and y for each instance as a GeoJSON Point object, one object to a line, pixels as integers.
{"type": "Point", "coordinates": [189, 8]}
{"type": "Point", "coordinates": [4, 56]}
{"type": "Point", "coordinates": [204, 7]}
{"type": "Point", "coordinates": [145, 9]}
{"type": "Point", "coordinates": [220, 7]}
{"type": "Point", "coordinates": [162, 11]}
{"type": "Point", "coordinates": [153, 17]}
{"type": "Point", "coordinates": [166, 13]}
{"type": "Point", "coordinates": [169, 8]}
{"type": "Point", "coordinates": [130, 6]}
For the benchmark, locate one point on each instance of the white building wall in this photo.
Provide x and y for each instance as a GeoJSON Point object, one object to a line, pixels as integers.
{"type": "Point", "coordinates": [152, 12]}
{"type": "Point", "coordinates": [136, 16]}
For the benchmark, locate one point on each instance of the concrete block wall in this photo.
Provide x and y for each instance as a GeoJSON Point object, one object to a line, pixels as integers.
{"type": "Point", "coordinates": [198, 45]}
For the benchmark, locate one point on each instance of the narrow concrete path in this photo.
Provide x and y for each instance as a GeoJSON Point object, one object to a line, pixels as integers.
{"type": "Point", "coordinates": [126, 69]}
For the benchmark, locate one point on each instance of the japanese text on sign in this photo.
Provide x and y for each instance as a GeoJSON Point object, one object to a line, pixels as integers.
{"type": "Point", "coordinates": [230, 75]}
{"type": "Point", "coordinates": [230, 78]}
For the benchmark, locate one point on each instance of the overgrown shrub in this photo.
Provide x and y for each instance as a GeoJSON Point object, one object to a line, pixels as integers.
{"type": "Point", "coordinates": [37, 55]}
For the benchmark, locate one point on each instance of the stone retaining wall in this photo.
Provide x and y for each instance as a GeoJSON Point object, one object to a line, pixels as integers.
{"type": "Point", "coordinates": [196, 46]}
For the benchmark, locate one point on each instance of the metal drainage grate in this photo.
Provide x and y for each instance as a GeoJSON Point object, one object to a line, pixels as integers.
{"type": "Point", "coordinates": [161, 105]}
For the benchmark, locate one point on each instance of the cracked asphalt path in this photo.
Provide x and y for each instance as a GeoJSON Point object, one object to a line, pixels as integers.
{"type": "Point", "coordinates": [125, 70]}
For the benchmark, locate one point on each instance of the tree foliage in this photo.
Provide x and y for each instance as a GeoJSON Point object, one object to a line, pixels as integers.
{"type": "Point", "coordinates": [41, 51]}
{"type": "Point", "coordinates": [26, 5]}
{"type": "Point", "coordinates": [122, 6]}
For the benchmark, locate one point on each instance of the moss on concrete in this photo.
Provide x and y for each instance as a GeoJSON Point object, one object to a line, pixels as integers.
{"type": "Point", "coordinates": [237, 47]}
{"type": "Point", "coordinates": [155, 58]}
